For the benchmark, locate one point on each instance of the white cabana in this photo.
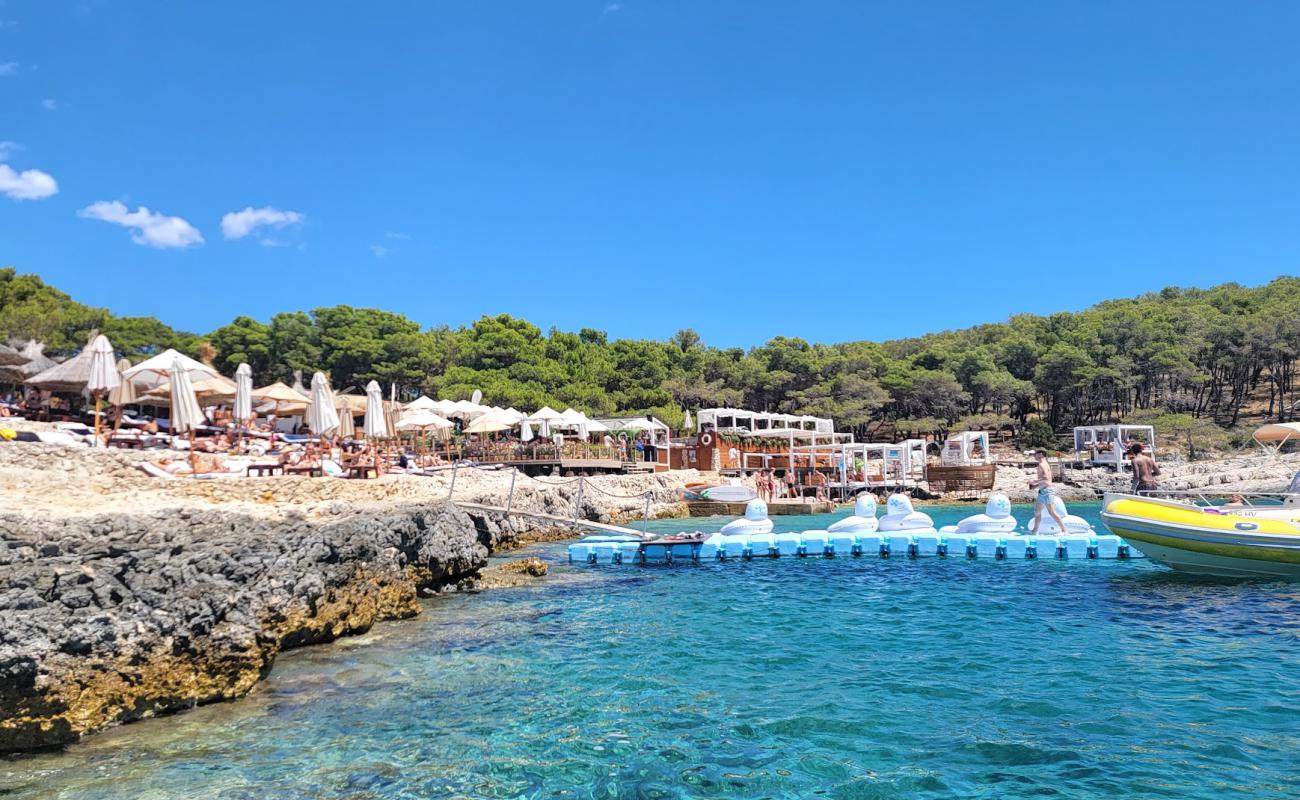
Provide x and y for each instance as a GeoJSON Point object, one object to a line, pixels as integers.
{"type": "Point", "coordinates": [243, 393]}
{"type": "Point", "coordinates": [155, 372]}
{"type": "Point", "coordinates": [322, 417]}
{"type": "Point", "coordinates": [376, 424]}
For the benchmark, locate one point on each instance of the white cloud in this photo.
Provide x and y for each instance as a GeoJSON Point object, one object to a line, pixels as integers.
{"type": "Point", "coordinates": [379, 250]}
{"type": "Point", "coordinates": [30, 184]}
{"type": "Point", "coordinates": [50, 105]}
{"type": "Point", "coordinates": [399, 236]}
{"type": "Point", "coordinates": [8, 69]}
{"type": "Point", "coordinates": [611, 8]}
{"type": "Point", "coordinates": [148, 227]}
{"type": "Point", "coordinates": [238, 224]}
{"type": "Point", "coordinates": [7, 149]}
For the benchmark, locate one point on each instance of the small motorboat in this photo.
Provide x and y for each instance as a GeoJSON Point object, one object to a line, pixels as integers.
{"type": "Point", "coordinates": [1229, 541]}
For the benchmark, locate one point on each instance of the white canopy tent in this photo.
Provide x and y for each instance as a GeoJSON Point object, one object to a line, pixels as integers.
{"type": "Point", "coordinates": [1274, 436]}
{"type": "Point", "coordinates": [736, 419]}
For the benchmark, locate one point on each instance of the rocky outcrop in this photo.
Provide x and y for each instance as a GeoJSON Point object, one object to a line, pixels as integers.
{"type": "Point", "coordinates": [111, 617]}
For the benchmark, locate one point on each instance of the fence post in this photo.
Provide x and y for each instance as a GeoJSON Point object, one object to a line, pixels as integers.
{"type": "Point", "coordinates": [452, 490]}
{"type": "Point", "coordinates": [577, 504]}
{"type": "Point", "coordinates": [510, 499]}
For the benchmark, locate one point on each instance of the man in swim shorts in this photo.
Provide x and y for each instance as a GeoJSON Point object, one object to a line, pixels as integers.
{"type": "Point", "coordinates": [1046, 493]}
{"type": "Point", "coordinates": [1145, 470]}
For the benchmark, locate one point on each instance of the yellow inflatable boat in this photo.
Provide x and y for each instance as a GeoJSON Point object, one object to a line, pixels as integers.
{"type": "Point", "coordinates": [1209, 540]}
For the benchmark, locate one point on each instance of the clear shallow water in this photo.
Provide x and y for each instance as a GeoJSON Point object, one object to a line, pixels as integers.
{"type": "Point", "coordinates": [852, 678]}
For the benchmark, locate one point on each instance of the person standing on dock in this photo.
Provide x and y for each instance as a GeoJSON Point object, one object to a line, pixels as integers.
{"type": "Point", "coordinates": [1046, 493]}
{"type": "Point", "coordinates": [1145, 470]}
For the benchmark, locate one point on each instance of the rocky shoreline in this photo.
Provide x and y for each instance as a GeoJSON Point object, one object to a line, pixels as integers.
{"type": "Point", "coordinates": [123, 597]}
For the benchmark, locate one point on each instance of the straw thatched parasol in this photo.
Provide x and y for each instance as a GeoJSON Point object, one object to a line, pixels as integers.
{"type": "Point", "coordinates": [70, 376]}
{"type": "Point", "coordinates": [10, 357]}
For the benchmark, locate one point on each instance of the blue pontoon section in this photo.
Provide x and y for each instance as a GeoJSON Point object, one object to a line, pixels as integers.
{"type": "Point", "coordinates": [821, 544]}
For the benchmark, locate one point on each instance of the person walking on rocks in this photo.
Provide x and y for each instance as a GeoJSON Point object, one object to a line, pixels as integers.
{"type": "Point", "coordinates": [1145, 470]}
{"type": "Point", "coordinates": [1046, 493]}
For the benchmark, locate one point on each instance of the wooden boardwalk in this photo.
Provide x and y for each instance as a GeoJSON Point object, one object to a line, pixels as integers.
{"type": "Point", "coordinates": [599, 527]}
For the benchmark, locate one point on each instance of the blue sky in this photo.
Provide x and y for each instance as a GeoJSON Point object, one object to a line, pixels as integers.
{"type": "Point", "coordinates": [828, 170]}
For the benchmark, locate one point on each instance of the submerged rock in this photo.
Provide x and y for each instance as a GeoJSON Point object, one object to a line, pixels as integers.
{"type": "Point", "coordinates": [519, 572]}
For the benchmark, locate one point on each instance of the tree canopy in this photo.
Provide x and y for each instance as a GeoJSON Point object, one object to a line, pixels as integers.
{"type": "Point", "coordinates": [1204, 354]}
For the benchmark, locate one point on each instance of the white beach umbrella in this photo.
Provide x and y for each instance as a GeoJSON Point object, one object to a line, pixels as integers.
{"type": "Point", "coordinates": [347, 424]}
{"type": "Point", "coordinates": [421, 403]}
{"type": "Point", "coordinates": [376, 424]}
{"type": "Point", "coordinates": [103, 367]}
{"type": "Point", "coordinates": [423, 420]}
{"type": "Point", "coordinates": [514, 414]}
{"type": "Point", "coordinates": [186, 415]}
{"type": "Point", "coordinates": [243, 393]}
{"type": "Point", "coordinates": [686, 420]}
{"type": "Point", "coordinates": [596, 426]}
{"type": "Point", "coordinates": [322, 417]}
{"type": "Point", "coordinates": [124, 393]}
{"type": "Point", "coordinates": [466, 409]}
{"type": "Point", "coordinates": [544, 414]}
{"type": "Point", "coordinates": [571, 416]}
{"type": "Point", "coordinates": [103, 375]}
{"type": "Point", "coordinates": [525, 431]}
{"type": "Point", "coordinates": [155, 372]}
{"type": "Point", "coordinates": [489, 423]}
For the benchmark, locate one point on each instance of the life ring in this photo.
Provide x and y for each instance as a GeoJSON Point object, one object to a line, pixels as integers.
{"type": "Point", "coordinates": [706, 438]}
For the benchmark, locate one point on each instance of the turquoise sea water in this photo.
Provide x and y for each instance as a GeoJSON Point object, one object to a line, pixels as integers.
{"type": "Point", "coordinates": [843, 678]}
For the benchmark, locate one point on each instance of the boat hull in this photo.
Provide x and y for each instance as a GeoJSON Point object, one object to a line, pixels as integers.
{"type": "Point", "coordinates": [1189, 539]}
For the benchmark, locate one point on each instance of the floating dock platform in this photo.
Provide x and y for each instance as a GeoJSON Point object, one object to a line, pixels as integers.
{"type": "Point", "coordinates": [823, 544]}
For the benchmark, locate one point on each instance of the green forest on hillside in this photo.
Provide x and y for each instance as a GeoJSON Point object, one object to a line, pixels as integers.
{"type": "Point", "coordinates": [1189, 356]}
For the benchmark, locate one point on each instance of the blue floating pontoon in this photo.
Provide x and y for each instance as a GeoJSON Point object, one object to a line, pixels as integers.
{"type": "Point", "coordinates": [901, 533]}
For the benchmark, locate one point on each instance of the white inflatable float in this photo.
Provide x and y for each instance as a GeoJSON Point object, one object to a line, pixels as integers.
{"type": "Point", "coordinates": [754, 522]}
{"type": "Point", "coordinates": [863, 519]}
{"type": "Point", "coordinates": [900, 516]}
{"type": "Point", "coordinates": [1073, 524]}
{"type": "Point", "coordinates": [995, 519]}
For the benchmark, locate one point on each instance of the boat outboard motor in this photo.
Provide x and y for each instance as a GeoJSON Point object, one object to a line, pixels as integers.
{"type": "Point", "coordinates": [863, 519]}
{"type": "Point", "coordinates": [900, 516]}
{"type": "Point", "coordinates": [754, 521]}
{"type": "Point", "coordinates": [1073, 524]}
{"type": "Point", "coordinates": [995, 519]}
